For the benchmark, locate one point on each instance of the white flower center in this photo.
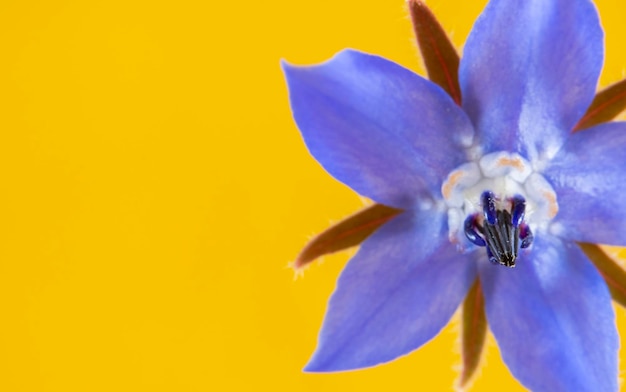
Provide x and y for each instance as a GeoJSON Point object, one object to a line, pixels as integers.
{"type": "Point", "coordinates": [506, 175]}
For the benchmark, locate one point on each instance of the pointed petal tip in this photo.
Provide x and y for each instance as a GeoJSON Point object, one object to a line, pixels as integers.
{"type": "Point", "coordinates": [313, 367]}
{"type": "Point", "coordinates": [320, 363]}
{"type": "Point", "coordinates": [308, 369]}
{"type": "Point", "coordinates": [323, 365]}
{"type": "Point", "coordinates": [358, 115]}
{"type": "Point", "coordinates": [286, 66]}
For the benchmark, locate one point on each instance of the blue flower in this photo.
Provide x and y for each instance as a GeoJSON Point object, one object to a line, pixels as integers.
{"type": "Point", "coordinates": [500, 181]}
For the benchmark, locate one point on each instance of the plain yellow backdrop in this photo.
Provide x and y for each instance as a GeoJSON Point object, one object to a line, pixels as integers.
{"type": "Point", "coordinates": [154, 188]}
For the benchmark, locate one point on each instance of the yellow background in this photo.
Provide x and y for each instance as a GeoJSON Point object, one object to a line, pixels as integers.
{"type": "Point", "coordinates": [154, 187]}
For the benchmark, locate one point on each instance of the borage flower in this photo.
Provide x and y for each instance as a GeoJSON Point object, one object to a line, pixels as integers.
{"type": "Point", "coordinates": [499, 181]}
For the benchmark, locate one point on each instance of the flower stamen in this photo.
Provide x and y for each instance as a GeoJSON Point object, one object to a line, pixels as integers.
{"type": "Point", "coordinates": [472, 230]}
{"type": "Point", "coordinates": [526, 236]}
{"type": "Point", "coordinates": [501, 231]}
{"type": "Point", "coordinates": [493, 201]}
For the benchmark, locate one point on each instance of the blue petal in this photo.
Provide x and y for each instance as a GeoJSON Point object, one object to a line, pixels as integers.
{"type": "Point", "coordinates": [379, 128]}
{"type": "Point", "coordinates": [553, 320]}
{"type": "Point", "coordinates": [529, 72]}
{"type": "Point", "coordinates": [588, 177]}
{"type": "Point", "coordinates": [397, 293]}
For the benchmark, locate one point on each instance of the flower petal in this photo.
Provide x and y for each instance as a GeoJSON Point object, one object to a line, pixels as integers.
{"type": "Point", "coordinates": [394, 295]}
{"type": "Point", "coordinates": [379, 128]}
{"type": "Point", "coordinates": [529, 72]}
{"type": "Point", "coordinates": [588, 177]}
{"type": "Point", "coordinates": [553, 320]}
